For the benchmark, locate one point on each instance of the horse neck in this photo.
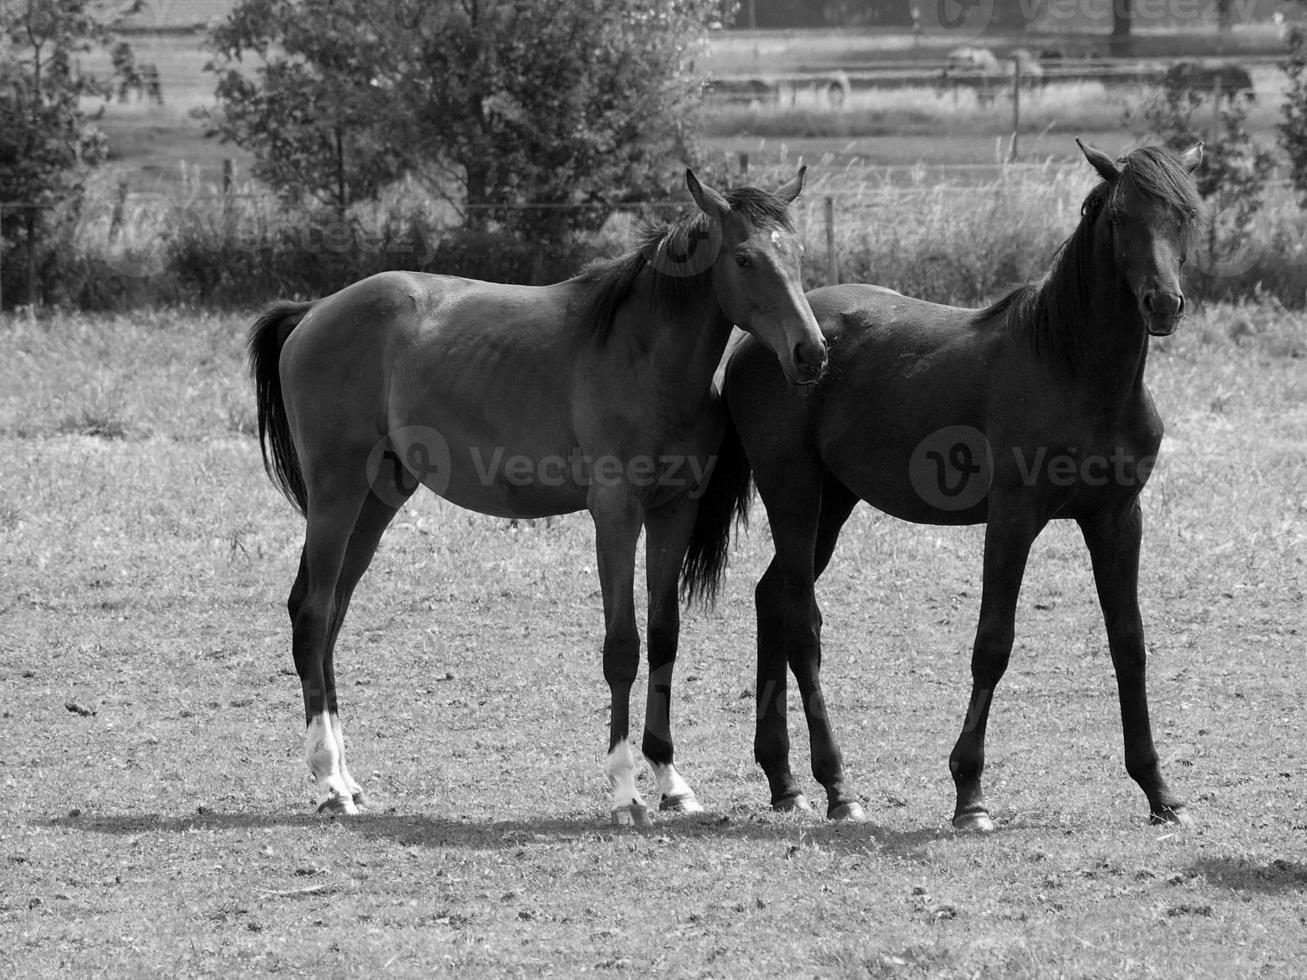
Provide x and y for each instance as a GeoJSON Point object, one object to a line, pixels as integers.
{"type": "Point", "coordinates": [1086, 303]}
{"type": "Point", "coordinates": [679, 350]}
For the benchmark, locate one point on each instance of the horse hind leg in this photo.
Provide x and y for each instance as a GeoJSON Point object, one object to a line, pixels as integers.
{"type": "Point", "coordinates": [317, 606]}
{"type": "Point", "coordinates": [389, 492]}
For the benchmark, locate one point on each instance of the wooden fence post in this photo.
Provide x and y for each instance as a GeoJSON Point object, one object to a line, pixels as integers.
{"type": "Point", "coordinates": [1016, 108]}
{"type": "Point", "coordinates": [832, 260]}
{"type": "Point", "coordinates": [744, 165]}
{"type": "Point", "coordinates": [116, 216]}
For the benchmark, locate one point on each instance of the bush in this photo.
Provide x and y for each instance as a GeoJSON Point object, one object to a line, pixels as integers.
{"type": "Point", "coordinates": [1232, 179]}
{"type": "Point", "coordinates": [963, 245]}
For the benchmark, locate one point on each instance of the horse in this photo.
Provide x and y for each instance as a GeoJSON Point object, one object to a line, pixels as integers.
{"type": "Point", "coordinates": [526, 402]}
{"type": "Point", "coordinates": [1029, 410]}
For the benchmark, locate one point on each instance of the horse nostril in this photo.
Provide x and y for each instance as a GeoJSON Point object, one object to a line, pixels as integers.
{"type": "Point", "coordinates": [808, 355]}
{"type": "Point", "coordinates": [1148, 301]}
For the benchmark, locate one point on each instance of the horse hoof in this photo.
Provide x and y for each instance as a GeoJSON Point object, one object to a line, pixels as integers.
{"type": "Point", "coordinates": [975, 822]}
{"type": "Point", "coordinates": [798, 803]}
{"type": "Point", "coordinates": [633, 815]}
{"type": "Point", "coordinates": [851, 812]}
{"type": "Point", "coordinates": [1175, 816]}
{"type": "Point", "coordinates": [681, 803]}
{"type": "Point", "coordinates": [360, 798]}
{"type": "Point", "coordinates": [336, 805]}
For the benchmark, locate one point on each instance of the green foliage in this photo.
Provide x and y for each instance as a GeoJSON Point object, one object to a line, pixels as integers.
{"type": "Point", "coordinates": [494, 104]}
{"type": "Point", "coordinates": [47, 143]}
{"type": "Point", "coordinates": [1293, 130]}
{"type": "Point", "coordinates": [310, 113]}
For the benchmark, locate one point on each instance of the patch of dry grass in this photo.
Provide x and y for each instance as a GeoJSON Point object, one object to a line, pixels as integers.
{"type": "Point", "coordinates": [170, 832]}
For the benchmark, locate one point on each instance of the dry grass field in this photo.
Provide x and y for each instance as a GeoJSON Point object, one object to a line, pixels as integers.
{"type": "Point", "coordinates": [158, 813]}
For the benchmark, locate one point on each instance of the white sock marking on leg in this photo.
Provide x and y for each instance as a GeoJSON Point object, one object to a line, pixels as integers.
{"type": "Point", "coordinates": [323, 758]}
{"type": "Point", "coordinates": [619, 765]}
{"type": "Point", "coordinates": [669, 780]}
{"type": "Point", "coordinates": [339, 734]}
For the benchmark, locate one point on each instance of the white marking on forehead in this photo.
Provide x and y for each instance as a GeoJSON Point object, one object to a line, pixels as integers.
{"type": "Point", "coordinates": [775, 237]}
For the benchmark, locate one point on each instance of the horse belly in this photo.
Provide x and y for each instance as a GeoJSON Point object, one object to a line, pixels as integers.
{"type": "Point", "coordinates": [491, 478]}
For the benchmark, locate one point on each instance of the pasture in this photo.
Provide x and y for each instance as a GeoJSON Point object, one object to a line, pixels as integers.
{"type": "Point", "coordinates": [159, 818]}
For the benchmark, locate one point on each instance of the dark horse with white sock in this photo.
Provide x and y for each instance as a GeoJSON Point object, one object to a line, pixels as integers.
{"type": "Point", "coordinates": [527, 401]}
{"type": "Point", "coordinates": [1031, 410]}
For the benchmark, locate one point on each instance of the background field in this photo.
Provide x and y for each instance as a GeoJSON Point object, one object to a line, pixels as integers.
{"type": "Point", "coordinates": [159, 820]}
{"type": "Point", "coordinates": [159, 815]}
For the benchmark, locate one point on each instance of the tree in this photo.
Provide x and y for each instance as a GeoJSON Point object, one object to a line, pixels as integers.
{"type": "Point", "coordinates": [310, 113]}
{"type": "Point", "coordinates": [1235, 167]}
{"type": "Point", "coordinates": [46, 142]}
{"type": "Point", "coordinates": [1293, 129]}
{"type": "Point", "coordinates": [496, 104]}
{"type": "Point", "coordinates": [1123, 18]}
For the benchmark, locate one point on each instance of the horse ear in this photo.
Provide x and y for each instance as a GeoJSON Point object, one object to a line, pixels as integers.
{"type": "Point", "coordinates": [710, 201]}
{"type": "Point", "coordinates": [1192, 158]}
{"type": "Point", "coordinates": [793, 188]}
{"type": "Point", "coordinates": [1104, 164]}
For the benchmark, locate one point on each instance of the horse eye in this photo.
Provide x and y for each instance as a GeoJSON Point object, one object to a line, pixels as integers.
{"type": "Point", "coordinates": [744, 262]}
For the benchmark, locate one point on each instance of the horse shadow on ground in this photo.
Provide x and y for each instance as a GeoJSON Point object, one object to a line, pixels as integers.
{"type": "Point", "coordinates": [1249, 874]}
{"type": "Point", "coordinates": [410, 830]}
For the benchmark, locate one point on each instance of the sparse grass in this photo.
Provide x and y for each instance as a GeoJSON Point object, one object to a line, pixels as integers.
{"type": "Point", "coordinates": [170, 833]}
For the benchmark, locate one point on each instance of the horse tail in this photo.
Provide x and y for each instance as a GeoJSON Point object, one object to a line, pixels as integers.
{"type": "Point", "coordinates": [724, 501]}
{"type": "Point", "coordinates": [267, 337]}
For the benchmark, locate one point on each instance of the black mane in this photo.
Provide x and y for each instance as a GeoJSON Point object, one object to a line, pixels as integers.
{"type": "Point", "coordinates": [612, 280]}
{"type": "Point", "coordinates": [1052, 311]}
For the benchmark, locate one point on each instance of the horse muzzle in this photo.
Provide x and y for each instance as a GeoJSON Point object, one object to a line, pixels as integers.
{"type": "Point", "coordinates": [1162, 311]}
{"type": "Point", "coordinates": [809, 359]}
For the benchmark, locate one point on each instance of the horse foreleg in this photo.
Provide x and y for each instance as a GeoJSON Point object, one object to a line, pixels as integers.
{"type": "Point", "coordinates": [1113, 539]}
{"type": "Point", "coordinates": [1008, 536]}
{"type": "Point", "coordinates": [667, 532]}
{"type": "Point", "coordinates": [618, 517]}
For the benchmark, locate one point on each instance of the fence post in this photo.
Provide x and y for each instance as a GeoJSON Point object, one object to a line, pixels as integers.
{"type": "Point", "coordinates": [1016, 108]}
{"type": "Point", "coordinates": [116, 216]}
{"type": "Point", "coordinates": [1216, 109]}
{"type": "Point", "coordinates": [744, 165]}
{"type": "Point", "coordinates": [832, 260]}
{"type": "Point", "coordinates": [33, 217]}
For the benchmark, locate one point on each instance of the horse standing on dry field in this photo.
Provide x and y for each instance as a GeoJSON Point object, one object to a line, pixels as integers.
{"type": "Point", "coordinates": [525, 402]}
{"type": "Point", "coordinates": [1031, 410]}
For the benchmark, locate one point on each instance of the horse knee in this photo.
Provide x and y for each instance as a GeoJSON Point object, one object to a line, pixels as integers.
{"type": "Point", "coordinates": [621, 662]}
{"type": "Point", "coordinates": [664, 637]}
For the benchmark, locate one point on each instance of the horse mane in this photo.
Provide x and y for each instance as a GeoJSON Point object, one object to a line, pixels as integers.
{"type": "Point", "coordinates": [1053, 312]}
{"type": "Point", "coordinates": [611, 281]}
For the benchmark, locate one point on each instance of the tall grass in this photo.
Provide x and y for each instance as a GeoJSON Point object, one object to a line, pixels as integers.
{"type": "Point", "coordinates": [948, 241]}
